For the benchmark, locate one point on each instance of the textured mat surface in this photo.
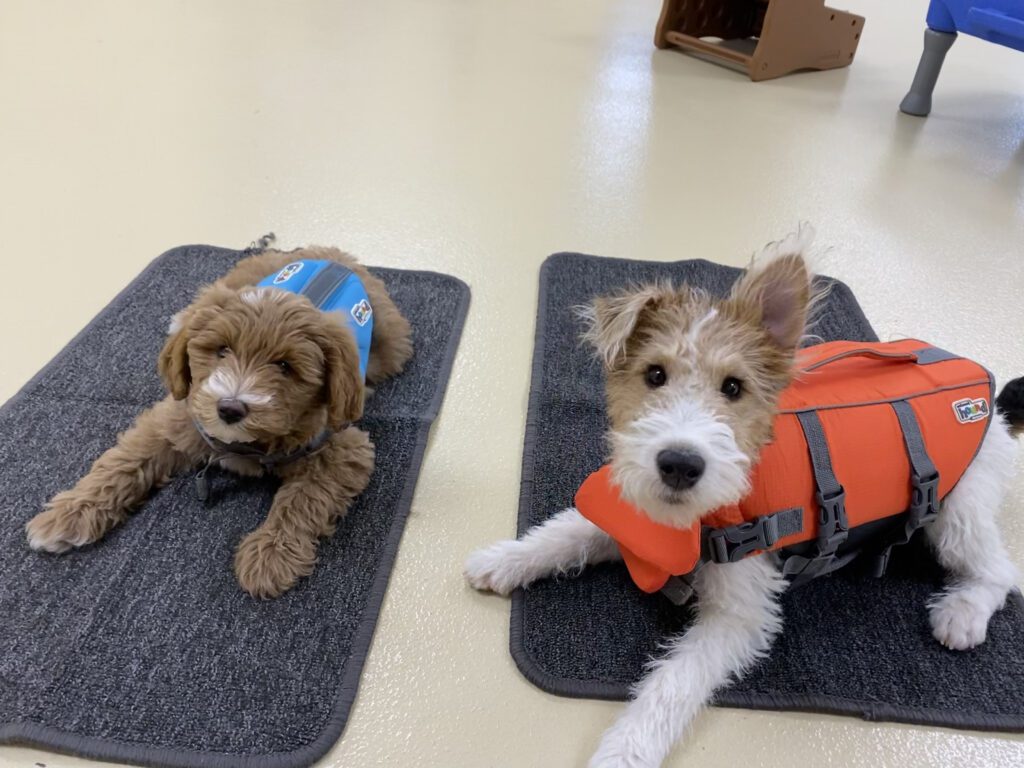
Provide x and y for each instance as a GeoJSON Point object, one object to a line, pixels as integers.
{"type": "Point", "coordinates": [142, 648]}
{"type": "Point", "coordinates": [852, 644]}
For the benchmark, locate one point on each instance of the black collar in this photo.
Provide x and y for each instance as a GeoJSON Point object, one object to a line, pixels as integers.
{"type": "Point", "coordinates": [267, 460]}
{"type": "Point", "coordinates": [222, 450]}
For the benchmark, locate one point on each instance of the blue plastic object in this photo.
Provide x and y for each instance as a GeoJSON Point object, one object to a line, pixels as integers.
{"type": "Point", "coordinates": [995, 21]}
{"type": "Point", "coordinates": [998, 21]}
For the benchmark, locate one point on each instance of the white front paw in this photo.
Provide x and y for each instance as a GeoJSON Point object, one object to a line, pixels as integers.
{"type": "Point", "coordinates": [958, 622]}
{"type": "Point", "coordinates": [496, 568]}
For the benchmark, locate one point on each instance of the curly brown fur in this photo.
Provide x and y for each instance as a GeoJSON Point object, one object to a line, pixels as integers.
{"type": "Point", "coordinates": [392, 338]}
{"type": "Point", "coordinates": [271, 559]}
{"type": "Point", "coordinates": [293, 371]}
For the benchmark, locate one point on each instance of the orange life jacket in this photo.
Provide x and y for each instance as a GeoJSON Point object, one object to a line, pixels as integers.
{"type": "Point", "coordinates": [866, 431]}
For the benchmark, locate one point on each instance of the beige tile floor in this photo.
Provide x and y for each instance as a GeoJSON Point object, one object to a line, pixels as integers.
{"type": "Point", "coordinates": [476, 138]}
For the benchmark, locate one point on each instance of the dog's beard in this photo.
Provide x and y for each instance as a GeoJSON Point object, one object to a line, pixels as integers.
{"type": "Point", "coordinates": [681, 425]}
{"type": "Point", "coordinates": [203, 410]}
{"type": "Point", "coordinates": [227, 383]}
{"type": "Point", "coordinates": [226, 433]}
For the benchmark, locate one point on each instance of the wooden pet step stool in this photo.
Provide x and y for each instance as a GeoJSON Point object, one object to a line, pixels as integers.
{"type": "Point", "coordinates": [767, 38]}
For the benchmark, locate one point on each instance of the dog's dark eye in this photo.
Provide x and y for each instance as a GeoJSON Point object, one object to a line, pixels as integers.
{"type": "Point", "coordinates": [284, 366]}
{"type": "Point", "coordinates": [223, 352]}
{"type": "Point", "coordinates": [732, 388]}
{"type": "Point", "coordinates": [655, 376]}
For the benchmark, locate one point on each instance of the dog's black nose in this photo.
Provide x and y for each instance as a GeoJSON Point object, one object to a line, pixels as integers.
{"type": "Point", "coordinates": [231, 410]}
{"type": "Point", "coordinates": [680, 470]}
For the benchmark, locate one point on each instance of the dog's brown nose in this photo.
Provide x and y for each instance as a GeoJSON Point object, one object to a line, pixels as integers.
{"type": "Point", "coordinates": [231, 410]}
{"type": "Point", "coordinates": [680, 470]}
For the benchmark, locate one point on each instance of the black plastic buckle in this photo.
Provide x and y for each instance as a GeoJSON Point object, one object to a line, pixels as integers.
{"type": "Point", "coordinates": [924, 500]}
{"type": "Point", "coordinates": [833, 527]}
{"type": "Point", "coordinates": [727, 545]}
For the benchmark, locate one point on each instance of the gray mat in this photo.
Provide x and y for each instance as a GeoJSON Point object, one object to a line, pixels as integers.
{"type": "Point", "coordinates": [142, 648]}
{"type": "Point", "coordinates": [852, 644]}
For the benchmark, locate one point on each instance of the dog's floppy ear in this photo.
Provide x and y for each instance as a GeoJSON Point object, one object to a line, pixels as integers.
{"type": "Point", "coordinates": [776, 290]}
{"type": "Point", "coordinates": [612, 320]}
{"type": "Point", "coordinates": [173, 361]}
{"type": "Point", "coordinates": [343, 381]}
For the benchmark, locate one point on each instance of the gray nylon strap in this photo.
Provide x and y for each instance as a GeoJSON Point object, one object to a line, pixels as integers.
{"type": "Point", "coordinates": [922, 356]}
{"type": "Point", "coordinates": [821, 461]}
{"type": "Point", "coordinates": [912, 438]}
{"type": "Point", "coordinates": [805, 569]}
{"type": "Point", "coordinates": [325, 282]}
{"type": "Point", "coordinates": [929, 355]}
{"type": "Point", "coordinates": [679, 589]}
{"type": "Point", "coordinates": [789, 521]}
{"type": "Point", "coordinates": [924, 480]}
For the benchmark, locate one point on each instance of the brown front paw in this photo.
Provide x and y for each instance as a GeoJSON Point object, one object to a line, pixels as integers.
{"type": "Point", "coordinates": [64, 524]}
{"type": "Point", "coordinates": [268, 563]}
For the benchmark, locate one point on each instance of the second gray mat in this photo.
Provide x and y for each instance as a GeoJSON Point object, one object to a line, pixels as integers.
{"type": "Point", "coordinates": [852, 644]}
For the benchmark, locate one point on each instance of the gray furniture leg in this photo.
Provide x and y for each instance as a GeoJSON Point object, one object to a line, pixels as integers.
{"type": "Point", "coordinates": [918, 100]}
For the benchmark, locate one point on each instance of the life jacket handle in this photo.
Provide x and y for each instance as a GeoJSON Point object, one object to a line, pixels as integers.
{"type": "Point", "coordinates": [922, 356]}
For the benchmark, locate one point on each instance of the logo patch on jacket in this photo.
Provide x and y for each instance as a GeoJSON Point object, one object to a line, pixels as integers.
{"type": "Point", "coordinates": [968, 410]}
{"type": "Point", "coordinates": [287, 272]}
{"type": "Point", "coordinates": [362, 312]}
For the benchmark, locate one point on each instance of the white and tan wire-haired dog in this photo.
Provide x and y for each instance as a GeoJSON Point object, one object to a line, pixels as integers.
{"type": "Point", "coordinates": [693, 386]}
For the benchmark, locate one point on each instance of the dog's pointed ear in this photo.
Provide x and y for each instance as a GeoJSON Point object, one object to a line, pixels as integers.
{"type": "Point", "coordinates": [775, 292]}
{"type": "Point", "coordinates": [343, 381]}
{"type": "Point", "coordinates": [611, 321]}
{"type": "Point", "coordinates": [173, 362]}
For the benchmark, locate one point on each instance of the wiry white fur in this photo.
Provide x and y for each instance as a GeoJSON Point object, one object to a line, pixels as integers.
{"type": "Point", "coordinates": [608, 322]}
{"type": "Point", "coordinates": [693, 334]}
{"type": "Point", "coordinates": [682, 425]}
{"type": "Point", "coordinates": [738, 617]}
{"type": "Point", "coordinates": [564, 544]}
{"type": "Point", "coordinates": [225, 383]}
{"type": "Point", "coordinates": [966, 540]}
{"type": "Point", "coordinates": [797, 243]}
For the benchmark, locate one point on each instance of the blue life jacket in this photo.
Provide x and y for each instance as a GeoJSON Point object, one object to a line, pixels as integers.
{"type": "Point", "coordinates": [332, 287]}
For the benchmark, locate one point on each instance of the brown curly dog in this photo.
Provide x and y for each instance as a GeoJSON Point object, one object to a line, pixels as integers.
{"type": "Point", "coordinates": [260, 381]}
